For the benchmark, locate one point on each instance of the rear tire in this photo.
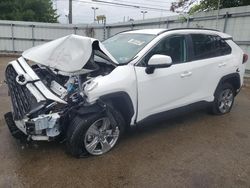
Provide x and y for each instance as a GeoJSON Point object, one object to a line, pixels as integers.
{"type": "Point", "coordinates": [94, 134]}
{"type": "Point", "coordinates": [224, 99]}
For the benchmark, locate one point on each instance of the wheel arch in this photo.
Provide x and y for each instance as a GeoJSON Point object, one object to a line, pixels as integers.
{"type": "Point", "coordinates": [122, 102]}
{"type": "Point", "coordinates": [233, 79]}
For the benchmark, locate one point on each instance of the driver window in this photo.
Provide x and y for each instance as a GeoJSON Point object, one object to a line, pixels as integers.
{"type": "Point", "coordinates": [174, 46]}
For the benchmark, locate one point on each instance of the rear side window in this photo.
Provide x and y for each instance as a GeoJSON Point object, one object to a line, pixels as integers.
{"type": "Point", "coordinates": [208, 46]}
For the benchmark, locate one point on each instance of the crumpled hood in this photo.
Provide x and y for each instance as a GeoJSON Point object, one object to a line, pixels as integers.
{"type": "Point", "coordinates": [67, 54]}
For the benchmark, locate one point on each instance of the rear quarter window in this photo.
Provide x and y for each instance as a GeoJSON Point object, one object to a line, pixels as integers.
{"type": "Point", "coordinates": [209, 46]}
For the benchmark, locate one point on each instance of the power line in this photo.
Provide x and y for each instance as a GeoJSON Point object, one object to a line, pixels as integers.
{"type": "Point", "coordinates": [158, 1]}
{"type": "Point", "coordinates": [130, 5]}
{"type": "Point", "coordinates": [108, 3]}
{"type": "Point", "coordinates": [140, 3]}
{"type": "Point", "coordinates": [92, 3]}
{"type": "Point", "coordinates": [98, 3]}
{"type": "Point", "coordinates": [120, 5]}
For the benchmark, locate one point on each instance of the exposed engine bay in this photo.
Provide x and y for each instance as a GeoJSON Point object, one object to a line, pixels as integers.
{"type": "Point", "coordinates": [69, 87]}
{"type": "Point", "coordinates": [44, 96]}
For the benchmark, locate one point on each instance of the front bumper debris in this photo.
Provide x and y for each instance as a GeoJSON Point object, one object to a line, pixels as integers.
{"type": "Point", "coordinates": [28, 94]}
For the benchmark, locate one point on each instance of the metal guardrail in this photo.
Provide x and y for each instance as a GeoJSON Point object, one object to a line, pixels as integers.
{"type": "Point", "coordinates": [26, 39]}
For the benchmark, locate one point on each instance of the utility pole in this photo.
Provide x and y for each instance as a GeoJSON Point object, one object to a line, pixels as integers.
{"type": "Point", "coordinates": [143, 14]}
{"type": "Point", "coordinates": [95, 8]}
{"type": "Point", "coordinates": [218, 13]}
{"type": "Point", "coordinates": [70, 12]}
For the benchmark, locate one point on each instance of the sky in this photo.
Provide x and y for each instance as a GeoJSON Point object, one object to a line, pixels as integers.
{"type": "Point", "coordinates": [84, 14]}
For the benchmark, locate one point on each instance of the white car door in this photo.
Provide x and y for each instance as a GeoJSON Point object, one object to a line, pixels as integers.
{"type": "Point", "coordinates": [211, 57]}
{"type": "Point", "coordinates": [165, 88]}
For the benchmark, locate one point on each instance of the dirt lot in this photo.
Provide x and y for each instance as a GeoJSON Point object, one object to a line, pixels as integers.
{"type": "Point", "coordinates": [193, 150]}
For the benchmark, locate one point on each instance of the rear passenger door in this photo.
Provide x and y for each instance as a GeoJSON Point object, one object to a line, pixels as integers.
{"type": "Point", "coordinates": [210, 58]}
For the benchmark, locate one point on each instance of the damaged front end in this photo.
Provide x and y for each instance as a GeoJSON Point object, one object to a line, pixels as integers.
{"type": "Point", "coordinates": [48, 93]}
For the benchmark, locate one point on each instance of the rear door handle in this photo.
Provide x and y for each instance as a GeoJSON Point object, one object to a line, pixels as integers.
{"type": "Point", "coordinates": [186, 74]}
{"type": "Point", "coordinates": [222, 65]}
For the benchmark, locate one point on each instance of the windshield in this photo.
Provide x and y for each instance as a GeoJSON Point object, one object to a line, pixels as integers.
{"type": "Point", "coordinates": [125, 46]}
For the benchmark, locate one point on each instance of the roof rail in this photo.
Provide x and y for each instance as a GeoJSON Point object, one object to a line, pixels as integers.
{"type": "Point", "coordinates": [174, 29]}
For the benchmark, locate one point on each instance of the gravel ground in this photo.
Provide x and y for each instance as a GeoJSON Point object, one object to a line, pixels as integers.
{"type": "Point", "coordinates": [193, 150]}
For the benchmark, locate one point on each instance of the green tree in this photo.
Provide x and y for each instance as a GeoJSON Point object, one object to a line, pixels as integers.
{"type": "Point", "coordinates": [28, 10]}
{"type": "Point", "coordinates": [208, 5]}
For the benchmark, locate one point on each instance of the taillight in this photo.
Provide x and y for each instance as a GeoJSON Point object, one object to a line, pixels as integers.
{"type": "Point", "coordinates": [245, 58]}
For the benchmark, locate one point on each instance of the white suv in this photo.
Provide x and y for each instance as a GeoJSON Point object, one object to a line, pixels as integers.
{"type": "Point", "coordinates": [89, 92]}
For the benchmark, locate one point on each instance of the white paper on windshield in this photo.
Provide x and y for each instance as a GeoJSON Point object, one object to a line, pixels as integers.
{"type": "Point", "coordinates": [136, 42]}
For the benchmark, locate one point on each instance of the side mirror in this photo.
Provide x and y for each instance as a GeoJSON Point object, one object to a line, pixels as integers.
{"type": "Point", "coordinates": [158, 61]}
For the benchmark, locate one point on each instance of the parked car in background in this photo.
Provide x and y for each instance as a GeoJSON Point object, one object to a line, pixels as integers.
{"type": "Point", "coordinates": [90, 92]}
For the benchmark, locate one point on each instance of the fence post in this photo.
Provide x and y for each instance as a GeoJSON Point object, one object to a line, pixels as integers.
{"type": "Point", "coordinates": [167, 24]}
{"type": "Point", "coordinates": [104, 29]}
{"type": "Point", "coordinates": [12, 37]}
{"type": "Point", "coordinates": [33, 35]}
{"type": "Point", "coordinates": [188, 22]}
{"type": "Point", "coordinates": [108, 31]}
{"type": "Point", "coordinates": [132, 26]}
{"type": "Point", "coordinates": [75, 28]}
{"type": "Point", "coordinates": [225, 22]}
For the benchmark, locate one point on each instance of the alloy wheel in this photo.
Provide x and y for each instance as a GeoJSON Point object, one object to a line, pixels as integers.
{"type": "Point", "coordinates": [226, 100]}
{"type": "Point", "coordinates": [101, 136]}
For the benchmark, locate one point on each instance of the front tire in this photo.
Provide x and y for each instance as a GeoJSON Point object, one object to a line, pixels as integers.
{"type": "Point", "coordinates": [224, 99]}
{"type": "Point", "coordinates": [94, 134]}
{"type": "Point", "coordinates": [15, 132]}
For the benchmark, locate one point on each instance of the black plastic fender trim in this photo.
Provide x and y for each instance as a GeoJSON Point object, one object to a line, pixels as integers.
{"type": "Point", "coordinates": [122, 102]}
{"type": "Point", "coordinates": [236, 79]}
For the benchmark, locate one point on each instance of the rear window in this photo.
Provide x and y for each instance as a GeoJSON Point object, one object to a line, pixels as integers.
{"type": "Point", "coordinates": [208, 46]}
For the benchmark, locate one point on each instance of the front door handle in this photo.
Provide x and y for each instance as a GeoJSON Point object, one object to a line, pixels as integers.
{"type": "Point", "coordinates": [186, 74]}
{"type": "Point", "coordinates": [222, 65]}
